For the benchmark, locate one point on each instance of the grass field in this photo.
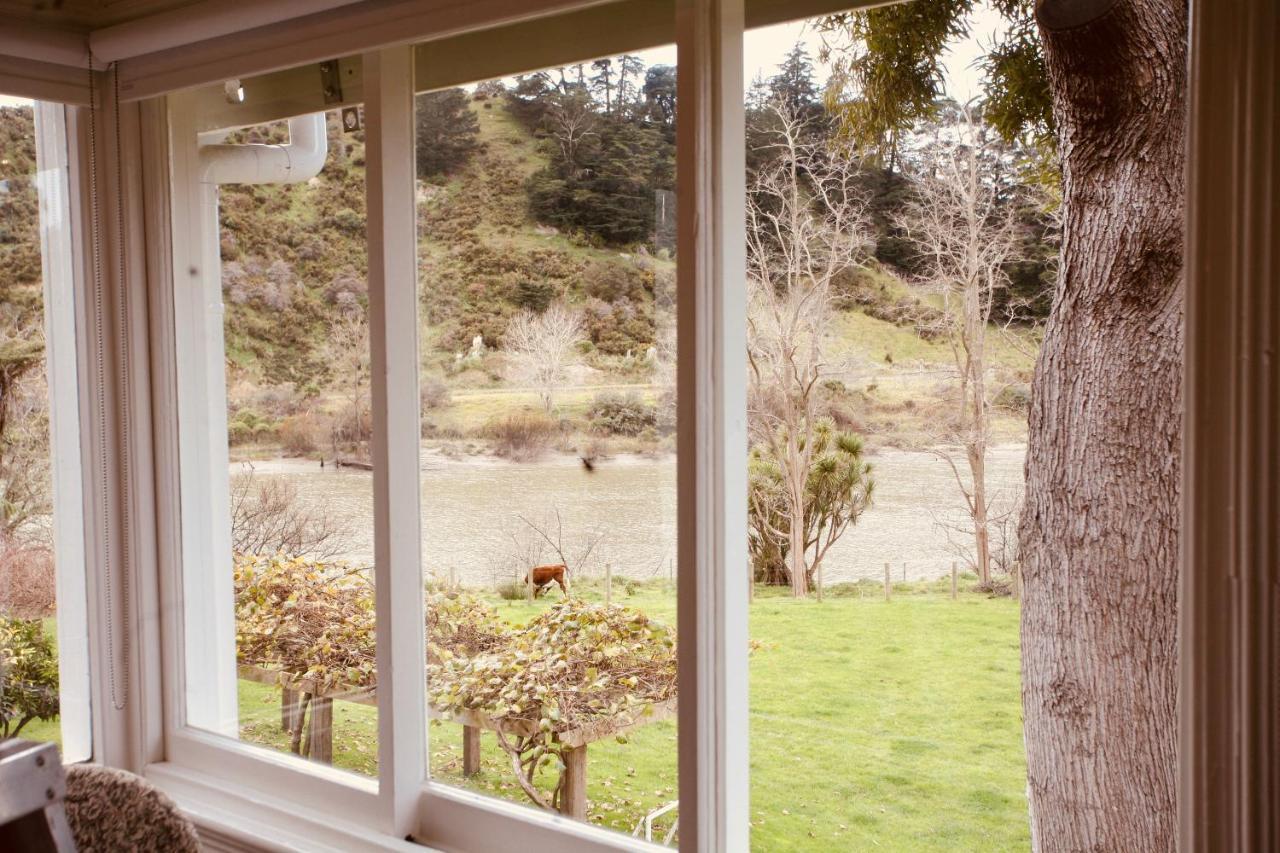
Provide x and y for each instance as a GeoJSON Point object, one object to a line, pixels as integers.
{"type": "Point", "coordinates": [873, 726]}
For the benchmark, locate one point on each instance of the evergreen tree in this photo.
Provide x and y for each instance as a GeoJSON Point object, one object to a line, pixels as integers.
{"type": "Point", "coordinates": [630, 75]}
{"type": "Point", "coordinates": [793, 85]}
{"type": "Point", "coordinates": [660, 94]}
{"type": "Point", "coordinates": [602, 82]}
{"type": "Point", "coordinates": [446, 131]}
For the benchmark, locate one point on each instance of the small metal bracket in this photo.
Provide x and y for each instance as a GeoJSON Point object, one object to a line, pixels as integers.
{"type": "Point", "coordinates": [331, 81]}
{"type": "Point", "coordinates": [351, 119]}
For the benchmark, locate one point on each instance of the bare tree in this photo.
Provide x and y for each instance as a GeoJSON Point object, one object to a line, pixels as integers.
{"type": "Point", "coordinates": [542, 348]}
{"type": "Point", "coordinates": [1003, 511]}
{"type": "Point", "coordinates": [966, 233]}
{"type": "Point", "coordinates": [805, 224]}
{"type": "Point", "coordinates": [572, 121]}
{"type": "Point", "coordinates": [269, 517]}
{"type": "Point", "coordinates": [348, 356]}
{"type": "Point", "coordinates": [25, 486]}
{"type": "Point", "coordinates": [547, 532]}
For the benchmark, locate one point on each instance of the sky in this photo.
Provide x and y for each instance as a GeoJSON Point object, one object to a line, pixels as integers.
{"type": "Point", "coordinates": [765, 48]}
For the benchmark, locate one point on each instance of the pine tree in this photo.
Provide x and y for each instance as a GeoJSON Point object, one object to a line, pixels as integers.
{"type": "Point", "coordinates": [446, 131]}
{"type": "Point", "coordinates": [793, 85]}
{"type": "Point", "coordinates": [602, 82]}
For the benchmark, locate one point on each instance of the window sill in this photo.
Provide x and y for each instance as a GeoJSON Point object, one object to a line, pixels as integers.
{"type": "Point", "coordinates": [235, 821]}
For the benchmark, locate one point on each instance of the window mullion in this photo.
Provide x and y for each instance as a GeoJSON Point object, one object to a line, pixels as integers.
{"type": "Point", "coordinates": [711, 379]}
{"type": "Point", "coordinates": [393, 328]}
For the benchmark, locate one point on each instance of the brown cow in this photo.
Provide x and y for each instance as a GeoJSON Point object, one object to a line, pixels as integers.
{"type": "Point", "coordinates": [544, 576]}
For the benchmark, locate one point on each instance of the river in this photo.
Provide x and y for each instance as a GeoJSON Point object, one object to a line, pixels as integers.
{"type": "Point", "coordinates": [481, 516]}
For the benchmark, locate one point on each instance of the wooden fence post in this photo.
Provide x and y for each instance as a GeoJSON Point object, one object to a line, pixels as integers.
{"type": "Point", "coordinates": [289, 707]}
{"type": "Point", "coordinates": [295, 734]}
{"type": "Point", "coordinates": [904, 571]}
{"type": "Point", "coordinates": [573, 799]}
{"type": "Point", "coordinates": [470, 750]}
{"type": "Point", "coordinates": [318, 745]}
{"type": "Point", "coordinates": [529, 586]}
{"type": "Point", "coordinates": [608, 584]}
{"type": "Point", "coordinates": [1017, 581]}
{"type": "Point", "coordinates": [953, 580]}
{"type": "Point", "coordinates": [887, 583]}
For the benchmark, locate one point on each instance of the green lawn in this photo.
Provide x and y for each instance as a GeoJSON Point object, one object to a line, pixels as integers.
{"type": "Point", "coordinates": [873, 726]}
{"type": "Point", "coordinates": [885, 726]}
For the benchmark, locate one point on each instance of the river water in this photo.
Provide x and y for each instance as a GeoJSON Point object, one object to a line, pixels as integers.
{"type": "Point", "coordinates": [484, 519]}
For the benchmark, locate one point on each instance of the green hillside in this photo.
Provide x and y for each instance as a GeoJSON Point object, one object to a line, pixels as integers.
{"type": "Point", "coordinates": [295, 266]}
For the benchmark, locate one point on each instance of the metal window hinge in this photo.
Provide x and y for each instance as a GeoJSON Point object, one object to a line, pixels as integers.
{"type": "Point", "coordinates": [331, 81]}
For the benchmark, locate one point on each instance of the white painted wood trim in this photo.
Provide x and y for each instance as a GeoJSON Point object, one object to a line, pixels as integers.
{"type": "Point", "coordinates": [1229, 643]}
{"type": "Point", "coordinates": [207, 592]}
{"type": "Point", "coordinates": [232, 818]}
{"type": "Point", "coordinates": [62, 275]}
{"type": "Point", "coordinates": [314, 38]}
{"type": "Point", "coordinates": [604, 24]}
{"type": "Point", "coordinates": [393, 334]}
{"type": "Point", "coordinates": [165, 462]}
{"type": "Point", "coordinates": [458, 820]}
{"type": "Point", "coordinates": [711, 400]}
{"type": "Point", "coordinates": [256, 771]}
{"type": "Point", "coordinates": [145, 709]}
{"type": "Point", "coordinates": [46, 81]}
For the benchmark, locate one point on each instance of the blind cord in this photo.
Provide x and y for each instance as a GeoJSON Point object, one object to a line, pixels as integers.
{"type": "Point", "coordinates": [117, 677]}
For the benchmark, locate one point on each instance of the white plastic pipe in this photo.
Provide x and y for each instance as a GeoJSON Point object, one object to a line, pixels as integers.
{"type": "Point", "coordinates": [300, 160]}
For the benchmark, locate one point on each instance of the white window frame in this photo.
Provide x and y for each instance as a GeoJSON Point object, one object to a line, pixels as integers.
{"type": "Point", "coordinates": [61, 274]}
{"type": "Point", "coordinates": [712, 524]}
{"type": "Point", "coordinates": [1227, 560]}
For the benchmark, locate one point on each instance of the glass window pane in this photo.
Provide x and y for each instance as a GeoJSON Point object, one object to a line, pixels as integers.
{"type": "Point", "coordinates": [43, 628]}
{"type": "Point", "coordinates": [274, 365]}
{"type": "Point", "coordinates": [546, 224]}
{"type": "Point", "coordinates": [887, 426]}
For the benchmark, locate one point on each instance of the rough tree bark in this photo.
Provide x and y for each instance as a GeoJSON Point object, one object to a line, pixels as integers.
{"type": "Point", "coordinates": [1100, 527]}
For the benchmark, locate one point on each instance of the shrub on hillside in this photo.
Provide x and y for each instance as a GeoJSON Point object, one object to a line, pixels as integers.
{"type": "Point", "coordinates": [521, 435]}
{"type": "Point", "coordinates": [434, 393]}
{"type": "Point", "coordinates": [534, 294]}
{"type": "Point", "coordinates": [272, 401]}
{"type": "Point", "coordinates": [298, 435]}
{"type": "Point", "coordinates": [28, 675]}
{"type": "Point", "coordinates": [28, 585]}
{"type": "Point", "coordinates": [614, 414]}
{"type": "Point", "coordinates": [1015, 397]}
{"type": "Point", "coordinates": [247, 426]}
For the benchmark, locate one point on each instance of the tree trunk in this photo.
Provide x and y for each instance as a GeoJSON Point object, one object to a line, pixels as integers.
{"type": "Point", "coordinates": [795, 551]}
{"type": "Point", "coordinates": [1100, 526]}
{"type": "Point", "coordinates": [981, 534]}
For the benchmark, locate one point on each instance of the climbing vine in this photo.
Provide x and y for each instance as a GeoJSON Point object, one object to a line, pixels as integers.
{"type": "Point", "coordinates": [587, 669]}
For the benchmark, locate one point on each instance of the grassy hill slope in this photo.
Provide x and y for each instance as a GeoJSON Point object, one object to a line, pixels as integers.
{"type": "Point", "coordinates": [295, 265]}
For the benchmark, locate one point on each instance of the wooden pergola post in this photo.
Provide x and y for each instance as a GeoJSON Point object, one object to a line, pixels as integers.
{"type": "Point", "coordinates": [470, 750]}
{"type": "Point", "coordinates": [573, 800]}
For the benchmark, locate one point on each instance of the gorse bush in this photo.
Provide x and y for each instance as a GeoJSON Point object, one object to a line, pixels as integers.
{"type": "Point", "coordinates": [522, 435]}
{"type": "Point", "coordinates": [249, 426]}
{"type": "Point", "coordinates": [297, 435]}
{"type": "Point", "coordinates": [614, 414]}
{"type": "Point", "coordinates": [434, 393]}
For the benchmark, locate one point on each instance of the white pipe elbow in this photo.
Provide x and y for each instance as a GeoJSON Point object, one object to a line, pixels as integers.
{"type": "Point", "coordinates": [300, 160]}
